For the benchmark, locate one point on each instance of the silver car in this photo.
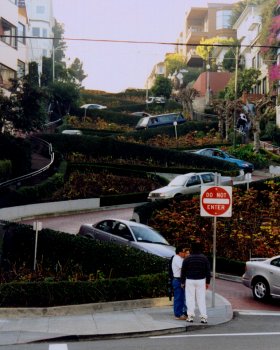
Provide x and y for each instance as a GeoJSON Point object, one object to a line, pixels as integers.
{"type": "Point", "coordinates": [187, 184]}
{"type": "Point", "coordinates": [130, 233]}
{"type": "Point", "coordinates": [263, 277]}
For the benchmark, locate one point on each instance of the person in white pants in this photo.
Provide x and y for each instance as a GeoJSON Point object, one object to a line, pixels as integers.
{"type": "Point", "coordinates": [195, 275]}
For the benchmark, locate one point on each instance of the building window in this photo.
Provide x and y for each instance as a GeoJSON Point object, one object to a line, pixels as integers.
{"type": "Point", "coordinates": [6, 74]}
{"type": "Point", "coordinates": [45, 53]}
{"type": "Point", "coordinates": [20, 69]}
{"type": "Point", "coordinates": [21, 33]}
{"type": "Point", "coordinates": [259, 60]}
{"type": "Point", "coordinates": [254, 62]}
{"type": "Point", "coordinates": [14, 1]}
{"type": "Point", "coordinates": [45, 33]}
{"type": "Point", "coordinates": [40, 9]}
{"type": "Point", "coordinates": [9, 33]}
{"type": "Point", "coordinates": [36, 32]}
{"type": "Point", "coordinates": [223, 19]}
{"type": "Point", "coordinates": [264, 90]}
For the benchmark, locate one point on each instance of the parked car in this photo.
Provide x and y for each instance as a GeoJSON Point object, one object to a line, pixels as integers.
{"type": "Point", "coordinates": [93, 106]}
{"type": "Point", "coordinates": [72, 132]}
{"type": "Point", "coordinates": [263, 277]}
{"type": "Point", "coordinates": [187, 184]}
{"type": "Point", "coordinates": [217, 153]}
{"type": "Point", "coordinates": [130, 233]}
{"type": "Point", "coordinates": [153, 99]}
{"type": "Point", "coordinates": [154, 121]}
{"type": "Point", "coordinates": [140, 114]}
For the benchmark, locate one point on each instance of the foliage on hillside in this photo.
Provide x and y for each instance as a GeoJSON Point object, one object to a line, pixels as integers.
{"type": "Point", "coordinates": [253, 230]}
{"type": "Point", "coordinates": [95, 185]}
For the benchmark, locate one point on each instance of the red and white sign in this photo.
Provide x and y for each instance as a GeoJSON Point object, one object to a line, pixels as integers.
{"type": "Point", "coordinates": [216, 201]}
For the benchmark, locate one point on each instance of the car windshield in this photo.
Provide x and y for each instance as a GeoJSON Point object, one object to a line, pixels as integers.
{"type": "Point", "coordinates": [147, 234]}
{"type": "Point", "coordinates": [228, 155]}
{"type": "Point", "coordinates": [178, 181]}
{"type": "Point", "coordinates": [143, 122]}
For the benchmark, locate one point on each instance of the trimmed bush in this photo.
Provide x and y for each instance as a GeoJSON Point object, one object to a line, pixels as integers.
{"type": "Point", "coordinates": [47, 294]}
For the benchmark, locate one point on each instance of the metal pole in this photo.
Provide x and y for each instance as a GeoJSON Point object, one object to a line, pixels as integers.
{"type": "Point", "coordinates": [217, 182]}
{"type": "Point", "coordinates": [235, 95]}
{"type": "Point", "coordinates": [36, 243]}
{"type": "Point", "coordinates": [53, 62]}
{"type": "Point", "coordinates": [214, 261]}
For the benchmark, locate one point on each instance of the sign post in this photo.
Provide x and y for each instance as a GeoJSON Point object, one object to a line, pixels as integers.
{"type": "Point", "coordinates": [215, 201]}
{"type": "Point", "coordinates": [37, 226]}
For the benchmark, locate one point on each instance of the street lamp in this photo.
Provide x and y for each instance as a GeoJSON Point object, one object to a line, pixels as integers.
{"type": "Point", "coordinates": [53, 60]}
{"type": "Point", "coordinates": [207, 95]}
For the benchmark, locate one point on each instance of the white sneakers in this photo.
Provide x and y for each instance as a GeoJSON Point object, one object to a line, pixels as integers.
{"type": "Point", "coordinates": [203, 319]}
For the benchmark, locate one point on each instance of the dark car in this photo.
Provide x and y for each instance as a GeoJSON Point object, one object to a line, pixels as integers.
{"type": "Point", "coordinates": [219, 154]}
{"type": "Point", "coordinates": [154, 121]}
{"type": "Point", "coordinates": [130, 233]}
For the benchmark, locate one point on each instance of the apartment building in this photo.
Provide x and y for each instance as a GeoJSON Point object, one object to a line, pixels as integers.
{"type": "Point", "coordinates": [41, 22]}
{"type": "Point", "coordinates": [203, 23]}
{"type": "Point", "coordinates": [13, 54]}
{"type": "Point", "coordinates": [20, 19]}
{"type": "Point", "coordinates": [248, 28]}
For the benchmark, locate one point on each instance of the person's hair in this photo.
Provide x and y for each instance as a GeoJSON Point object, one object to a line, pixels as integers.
{"type": "Point", "coordinates": [180, 249]}
{"type": "Point", "coordinates": [196, 248]}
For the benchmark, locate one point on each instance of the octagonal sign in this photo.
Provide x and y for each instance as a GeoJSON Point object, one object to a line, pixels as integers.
{"type": "Point", "coordinates": [216, 201]}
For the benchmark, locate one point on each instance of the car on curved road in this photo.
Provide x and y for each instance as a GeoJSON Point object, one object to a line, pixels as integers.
{"type": "Point", "coordinates": [93, 106]}
{"type": "Point", "coordinates": [129, 233]}
{"type": "Point", "coordinates": [217, 153]}
{"type": "Point", "coordinates": [187, 184]}
{"type": "Point", "coordinates": [263, 277]}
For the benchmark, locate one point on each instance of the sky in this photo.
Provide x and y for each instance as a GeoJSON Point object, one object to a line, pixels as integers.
{"type": "Point", "coordinates": [111, 66]}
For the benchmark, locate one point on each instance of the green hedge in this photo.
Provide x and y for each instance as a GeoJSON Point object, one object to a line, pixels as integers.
{"type": "Point", "coordinates": [5, 169]}
{"type": "Point", "coordinates": [18, 151]}
{"type": "Point", "coordinates": [109, 147]}
{"type": "Point", "coordinates": [47, 294]}
{"type": "Point", "coordinates": [63, 254]}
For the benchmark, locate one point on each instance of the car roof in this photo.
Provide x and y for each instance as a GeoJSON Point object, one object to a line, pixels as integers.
{"type": "Point", "coordinates": [127, 222]}
{"type": "Point", "coordinates": [90, 104]}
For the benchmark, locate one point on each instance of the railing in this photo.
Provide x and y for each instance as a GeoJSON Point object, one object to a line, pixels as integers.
{"type": "Point", "coordinates": [34, 173]}
{"type": "Point", "coordinates": [269, 147]}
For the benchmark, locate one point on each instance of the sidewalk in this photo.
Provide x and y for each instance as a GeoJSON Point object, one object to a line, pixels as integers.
{"type": "Point", "coordinates": [103, 320]}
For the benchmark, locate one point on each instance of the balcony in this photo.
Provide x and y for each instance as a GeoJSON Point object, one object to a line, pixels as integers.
{"type": "Point", "coordinates": [193, 59]}
{"type": "Point", "coordinates": [194, 34]}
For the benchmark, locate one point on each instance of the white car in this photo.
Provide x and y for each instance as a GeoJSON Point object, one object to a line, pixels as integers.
{"type": "Point", "coordinates": [187, 184]}
{"type": "Point", "coordinates": [153, 99]}
{"type": "Point", "coordinates": [263, 277]}
{"type": "Point", "coordinates": [93, 106]}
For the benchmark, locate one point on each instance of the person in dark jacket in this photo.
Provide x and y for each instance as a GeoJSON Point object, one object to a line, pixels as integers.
{"type": "Point", "coordinates": [196, 275]}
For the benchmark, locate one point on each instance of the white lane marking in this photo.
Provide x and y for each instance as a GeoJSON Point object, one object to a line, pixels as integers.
{"type": "Point", "coordinates": [214, 335]}
{"type": "Point", "coordinates": [58, 347]}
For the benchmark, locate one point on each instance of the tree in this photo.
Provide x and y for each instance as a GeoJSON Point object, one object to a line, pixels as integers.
{"type": "Point", "coordinates": [229, 60]}
{"type": "Point", "coordinates": [246, 79]}
{"type": "Point", "coordinates": [30, 106]}
{"type": "Point", "coordinates": [174, 62]}
{"type": "Point", "coordinates": [186, 96]}
{"type": "Point", "coordinates": [207, 46]}
{"type": "Point", "coordinates": [257, 113]}
{"type": "Point", "coordinates": [162, 87]}
{"type": "Point", "coordinates": [65, 95]}
{"type": "Point", "coordinates": [76, 70]}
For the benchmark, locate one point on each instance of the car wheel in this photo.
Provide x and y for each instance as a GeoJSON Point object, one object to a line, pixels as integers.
{"type": "Point", "coordinates": [261, 290]}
